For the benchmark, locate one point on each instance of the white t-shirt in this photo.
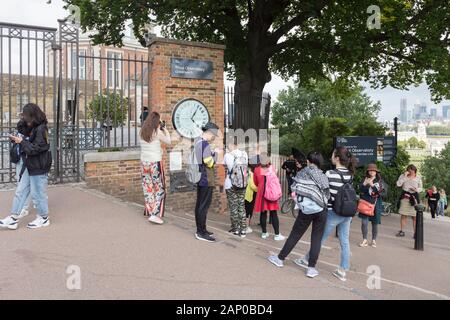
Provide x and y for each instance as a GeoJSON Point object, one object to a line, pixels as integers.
{"type": "Point", "coordinates": [228, 160]}
{"type": "Point", "coordinates": [152, 151]}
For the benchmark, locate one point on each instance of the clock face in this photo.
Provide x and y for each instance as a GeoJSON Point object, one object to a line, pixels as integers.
{"type": "Point", "coordinates": [189, 116]}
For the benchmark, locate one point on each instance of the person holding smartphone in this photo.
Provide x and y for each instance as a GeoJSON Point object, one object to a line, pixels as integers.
{"type": "Point", "coordinates": [153, 132]}
{"type": "Point", "coordinates": [37, 161]}
{"type": "Point", "coordinates": [411, 185]}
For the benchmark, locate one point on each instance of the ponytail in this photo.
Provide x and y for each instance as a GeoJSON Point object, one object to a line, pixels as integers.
{"type": "Point", "coordinates": [346, 158]}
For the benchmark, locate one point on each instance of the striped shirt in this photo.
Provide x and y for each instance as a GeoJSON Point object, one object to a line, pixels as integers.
{"type": "Point", "coordinates": [336, 182]}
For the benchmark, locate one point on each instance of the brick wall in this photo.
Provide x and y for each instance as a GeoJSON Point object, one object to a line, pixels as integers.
{"type": "Point", "coordinates": [118, 174]}
{"type": "Point", "coordinates": [115, 173]}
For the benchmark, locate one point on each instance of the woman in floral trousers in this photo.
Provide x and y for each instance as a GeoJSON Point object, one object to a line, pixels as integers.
{"type": "Point", "coordinates": [153, 132]}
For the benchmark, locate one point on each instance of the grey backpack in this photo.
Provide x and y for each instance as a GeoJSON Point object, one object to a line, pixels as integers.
{"type": "Point", "coordinates": [238, 174]}
{"type": "Point", "coordinates": [193, 173]}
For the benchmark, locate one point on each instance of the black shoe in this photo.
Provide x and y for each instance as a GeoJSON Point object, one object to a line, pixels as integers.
{"type": "Point", "coordinates": [232, 230]}
{"type": "Point", "coordinates": [400, 234]}
{"type": "Point", "coordinates": [209, 233]}
{"type": "Point", "coordinates": [205, 237]}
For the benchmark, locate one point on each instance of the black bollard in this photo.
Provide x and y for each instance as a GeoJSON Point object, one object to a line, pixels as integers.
{"type": "Point", "coordinates": [418, 240]}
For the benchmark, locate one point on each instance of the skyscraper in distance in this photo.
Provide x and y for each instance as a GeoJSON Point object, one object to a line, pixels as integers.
{"type": "Point", "coordinates": [403, 111]}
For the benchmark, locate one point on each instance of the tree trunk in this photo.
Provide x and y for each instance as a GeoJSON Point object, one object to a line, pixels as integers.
{"type": "Point", "coordinates": [251, 107]}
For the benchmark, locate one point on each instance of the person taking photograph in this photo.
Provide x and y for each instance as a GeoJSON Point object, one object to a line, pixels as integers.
{"type": "Point", "coordinates": [153, 133]}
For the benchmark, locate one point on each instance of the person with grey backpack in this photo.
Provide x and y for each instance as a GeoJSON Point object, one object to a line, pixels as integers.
{"type": "Point", "coordinates": [236, 164]}
{"type": "Point", "coordinates": [342, 207]}
{"type": "Point", "coordinates": [200, 171]}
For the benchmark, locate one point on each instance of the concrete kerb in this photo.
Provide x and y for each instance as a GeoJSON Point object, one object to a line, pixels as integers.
{"type": "Point", "coordinates": [111, 156]}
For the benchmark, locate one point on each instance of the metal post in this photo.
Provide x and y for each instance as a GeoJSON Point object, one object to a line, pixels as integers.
{"type": "Point", "coordinates": [396, 135]}
{"type": "Point", "coordinates": [418, 239]}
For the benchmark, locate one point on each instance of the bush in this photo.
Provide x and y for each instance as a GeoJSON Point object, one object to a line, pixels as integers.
{"type": "Point", "coordinates": [110, 109]}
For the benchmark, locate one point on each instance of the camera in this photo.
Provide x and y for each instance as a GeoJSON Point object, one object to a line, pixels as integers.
{"type": "Point", "coordinates": [162, 124]}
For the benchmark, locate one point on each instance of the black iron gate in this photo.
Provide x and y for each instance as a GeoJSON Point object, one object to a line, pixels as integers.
{"type": "Point", "coordinates": [34, 67]}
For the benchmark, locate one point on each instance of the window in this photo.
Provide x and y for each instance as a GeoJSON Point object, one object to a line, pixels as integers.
{"type": "Point", "coordinates": [114, 69]}
{"type": "Point", "coordinates": [81, 63]}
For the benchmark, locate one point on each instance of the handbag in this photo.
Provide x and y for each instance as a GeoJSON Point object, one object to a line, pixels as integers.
{"type": "Point", "coordinates": [366, 208]}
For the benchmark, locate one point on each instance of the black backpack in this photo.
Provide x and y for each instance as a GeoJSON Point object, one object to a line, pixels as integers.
{"type": "Point", "coordinates": [346, 200]}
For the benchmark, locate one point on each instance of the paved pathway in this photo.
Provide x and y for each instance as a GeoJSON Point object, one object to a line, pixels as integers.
{"type": "Point", "coordinates": [121, 256]}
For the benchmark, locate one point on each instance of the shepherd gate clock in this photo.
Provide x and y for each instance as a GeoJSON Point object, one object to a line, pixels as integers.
{"type": "Point", "coordinates": [189, 116]}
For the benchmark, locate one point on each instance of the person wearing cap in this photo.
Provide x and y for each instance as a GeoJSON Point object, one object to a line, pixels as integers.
{"type": "Point", "coordinates": [205, 185]}
{"type": "Point", "coordinates": [371, 189]}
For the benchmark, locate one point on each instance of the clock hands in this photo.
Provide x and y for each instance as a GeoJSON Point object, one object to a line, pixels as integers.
{"type": "Point", "coordinates": [195, 113]}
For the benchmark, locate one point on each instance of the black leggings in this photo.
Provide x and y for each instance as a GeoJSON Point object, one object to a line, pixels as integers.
{"type": "Point", "coordinates": [273, 219]}
{"type": "Point", "coordinates": [301, 224]}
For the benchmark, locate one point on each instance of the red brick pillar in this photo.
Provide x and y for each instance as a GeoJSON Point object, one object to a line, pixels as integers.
{"type": "Point", "coordinates": [166, 91]}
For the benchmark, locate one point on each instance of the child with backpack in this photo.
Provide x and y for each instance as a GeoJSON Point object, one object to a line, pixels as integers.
{"type": "Point", "coordinates": [250, 195]}
{"type": "Point", "coordinates": [342, 207]}
{"type": "Point", "coordinates": [267, 197]}
{"type": "Point", "coordinates": [236, 163]}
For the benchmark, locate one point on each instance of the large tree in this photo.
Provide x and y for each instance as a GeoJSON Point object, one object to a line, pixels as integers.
{"type": "Point", "coordinates": [302, 38]}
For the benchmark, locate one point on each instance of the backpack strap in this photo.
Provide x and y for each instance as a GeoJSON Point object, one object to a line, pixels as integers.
{"type": "Point", "coordinates": [342, 177]}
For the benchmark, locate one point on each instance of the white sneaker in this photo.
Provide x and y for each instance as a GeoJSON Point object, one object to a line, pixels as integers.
{"type": "Point", "coordinates": [10, 222]}
{"type": "Point", "coordinates": [340, 274]}
{"type": "Point", "coordinates": [23, 214]}
{"type": "Point", "coordinates": [248, 230]}
{"type": "Point", "coordinates": [276, 261]}
{"type": "Point", "coordinates": [155, 219]}
{"type": "Point", "coordinates": [374, 244]}
{"type": "Point", "coordinates": [364, 243]}
{"type": "Point", "coordinates": [265, 235]}
{"type": "Point", "coordinates": [279, 237]}
{"type": "Point", "coordinates": [39, 222]}
{"type": "Point", "coordinates": [301, 262]}
{"type": "Point", "coordinates": [312, 273]}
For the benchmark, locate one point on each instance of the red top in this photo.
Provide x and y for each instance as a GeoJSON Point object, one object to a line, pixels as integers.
{"type": "Point", "coordinates": [260, 203]}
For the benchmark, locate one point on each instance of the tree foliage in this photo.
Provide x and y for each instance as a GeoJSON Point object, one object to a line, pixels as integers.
{"type": "Point", "coordinates": [435, 170]}
{"type": "Point", "coordinates": [110, 109]}
{"type": "Point", "coordinates": [295, 106]}
{"type": "Point", "coordinates": [413, 143]}
{"type": "Point", "coordinates": [309, 39]}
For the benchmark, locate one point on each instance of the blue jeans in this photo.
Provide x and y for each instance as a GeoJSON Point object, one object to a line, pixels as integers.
{"type": "Point", "coordinates": [18, 170]}
{"type": "Point", "coordinates": [37, 187]}
{"type": "Point", "coordinates": [343, 226]}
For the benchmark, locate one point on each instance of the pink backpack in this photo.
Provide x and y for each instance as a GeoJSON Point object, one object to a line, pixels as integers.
{"type": "Point", "coordinates": [272, 189]}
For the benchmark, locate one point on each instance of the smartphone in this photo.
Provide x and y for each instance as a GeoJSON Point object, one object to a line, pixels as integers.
{"type": "Point", "coordinates": [162, 124]}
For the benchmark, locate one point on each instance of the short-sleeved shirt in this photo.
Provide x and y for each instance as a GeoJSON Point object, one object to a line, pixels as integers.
{"type": "Point", "coordinates": [204, 154]}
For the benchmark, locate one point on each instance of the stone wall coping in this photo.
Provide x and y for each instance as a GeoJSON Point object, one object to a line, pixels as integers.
{"type": "Point", "coordinates": [187, 43]}
{"type": "Point", "coordinates": [112, 156]}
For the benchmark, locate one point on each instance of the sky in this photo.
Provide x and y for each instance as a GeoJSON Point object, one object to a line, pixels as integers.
{"type": "Point", "coordinates": [40, 13]}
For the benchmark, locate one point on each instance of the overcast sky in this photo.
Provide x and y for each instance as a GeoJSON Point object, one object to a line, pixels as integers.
{"type": "Point", "coordinates": [38, 12]}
